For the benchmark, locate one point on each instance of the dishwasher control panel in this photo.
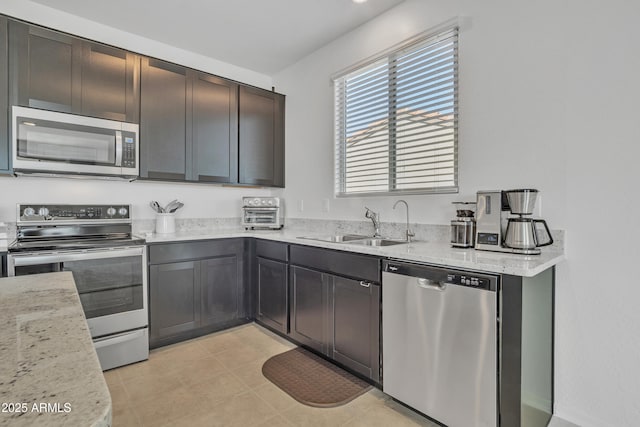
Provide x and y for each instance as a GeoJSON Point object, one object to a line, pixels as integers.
{"type": "Point", "coordinates": [442, 275]}
{"type": "Point", "coordinates": [467, 280]}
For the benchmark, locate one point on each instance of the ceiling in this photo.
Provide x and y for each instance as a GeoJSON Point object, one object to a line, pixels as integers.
{"type": "Point", "coordinates": [261, 35]}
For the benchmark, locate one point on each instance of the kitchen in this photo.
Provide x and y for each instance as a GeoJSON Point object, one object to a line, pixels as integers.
{"type": "Point", "coordinates": [543, 71]}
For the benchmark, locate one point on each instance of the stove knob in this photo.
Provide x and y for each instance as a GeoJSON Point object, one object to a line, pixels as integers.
{"type": "Point", "coordinates": [43, 211]}
{"type": "Point", "coordinates": [270, 202]}
{"type": "Point", "coordinates": [111, 211]}
{"type": "Point", "coordinates": [256, 202]}
{"type": "Point", "coordinates": [123, 211]}
{"type": "Point", "coordinates": [29, 211]}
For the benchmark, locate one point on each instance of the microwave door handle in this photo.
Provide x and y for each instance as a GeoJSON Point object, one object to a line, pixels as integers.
{"type": "Point", "coordinates": [118, 148]}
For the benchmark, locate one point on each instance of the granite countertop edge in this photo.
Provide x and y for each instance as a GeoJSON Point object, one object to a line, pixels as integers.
{"type": "Point", "coordinates": [44, 357]}
{"type": "Point", "coordinates": [420, 251]}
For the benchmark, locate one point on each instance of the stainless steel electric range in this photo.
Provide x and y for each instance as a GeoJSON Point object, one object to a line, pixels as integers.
{"type": "Point", "coordinates": [95, 243]}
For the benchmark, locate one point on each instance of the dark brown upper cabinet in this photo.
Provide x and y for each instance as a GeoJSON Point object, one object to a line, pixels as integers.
{"type": "Point", "coordinates": [4, 99]}
{"type": "Point", "coordinates": [163, 121]}
{"type": "Point", "coordinates": [261, 137]}
{"type": "Point", "coordinates": [59, 72]}
{"type": "Point", "coordinates": [188, 125]}
{"type": "Point", "coordinates": [215, 129]}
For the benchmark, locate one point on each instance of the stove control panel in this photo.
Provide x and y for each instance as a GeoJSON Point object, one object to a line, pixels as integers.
{"type": "Point", "coordinates": [36, 212]}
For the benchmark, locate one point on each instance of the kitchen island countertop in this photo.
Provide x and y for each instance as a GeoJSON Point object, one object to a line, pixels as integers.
{"type": "Point", "coordinates": [419, 251]}
{"type": "Point", "coordinates": [49, 371]}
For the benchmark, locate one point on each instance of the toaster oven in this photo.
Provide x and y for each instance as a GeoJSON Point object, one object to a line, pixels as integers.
{"type": "Point", "coordinates": [262, 213]}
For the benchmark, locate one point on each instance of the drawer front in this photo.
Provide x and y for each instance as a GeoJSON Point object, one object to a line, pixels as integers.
{"type": "Point", "coordinates": [272, 250]}
{"type": "Point", "coordinates": [183, 251]}
{"type": "Point", "coordinates": [343, 263]}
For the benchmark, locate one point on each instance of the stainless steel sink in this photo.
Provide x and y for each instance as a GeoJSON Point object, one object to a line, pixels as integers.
{"type": "Point", "coordinates": [378, 242]}
{"type": "Point", "coordinates": [338, 238]}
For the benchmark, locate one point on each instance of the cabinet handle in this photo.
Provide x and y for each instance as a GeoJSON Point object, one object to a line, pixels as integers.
{"type": "Point", "coordinates": [365, 284]}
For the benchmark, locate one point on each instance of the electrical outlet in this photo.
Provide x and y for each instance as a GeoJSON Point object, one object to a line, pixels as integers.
{"type": "Point", "coordinates": [300, 205]}
{"type": "Point", "coordinates": [325, 205]}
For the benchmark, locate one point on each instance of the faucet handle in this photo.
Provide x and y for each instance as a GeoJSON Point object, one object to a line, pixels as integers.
{"type": "Point", "coordinates": [369, 213]}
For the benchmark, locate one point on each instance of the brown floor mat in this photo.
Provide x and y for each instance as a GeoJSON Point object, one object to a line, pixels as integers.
{"type": "Point", "coordinates": [311, 380]}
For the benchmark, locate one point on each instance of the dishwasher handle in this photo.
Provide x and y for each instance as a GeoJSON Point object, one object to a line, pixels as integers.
{"type": "Point", "coordinates": [430, 284]}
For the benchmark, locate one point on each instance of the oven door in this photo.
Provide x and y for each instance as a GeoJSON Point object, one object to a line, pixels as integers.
{"type": "Point", "coordinates": [111, 283]}
{"type": "Point", "coordinates": [260, 217]}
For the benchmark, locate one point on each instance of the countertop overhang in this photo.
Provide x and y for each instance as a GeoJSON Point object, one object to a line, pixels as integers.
{"type": "Point", "coordinates": [49, 371]}
{"type": "Point", "coordinates": [423, 252]}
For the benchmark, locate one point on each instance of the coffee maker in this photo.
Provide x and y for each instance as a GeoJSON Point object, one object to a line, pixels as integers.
{"type": "Point", "coordinates": [497, 231]}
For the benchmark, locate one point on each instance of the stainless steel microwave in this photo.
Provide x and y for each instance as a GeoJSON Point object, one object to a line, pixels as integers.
{"type": "Point", "coordinates": [48, 142]}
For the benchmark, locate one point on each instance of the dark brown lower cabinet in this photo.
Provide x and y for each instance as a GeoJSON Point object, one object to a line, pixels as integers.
{"type": "Point", "coordinates": [338, 317]}
{"type": "Point", "coordinates": [174, 299]}
{"type": "Point", "coordinates": [219, 290]}
{"type": "Point", "coordinates": [195, 288]}
{"type": "Point", "coordinates": [272, 294]}
{"type": "Point", "coordinates": [310, 308]}
{"type": "Point", "coordinates": [355, 327]}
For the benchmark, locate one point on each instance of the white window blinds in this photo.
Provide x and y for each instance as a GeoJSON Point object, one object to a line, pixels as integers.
{"type": "Point", "coordinates": [396, 121]}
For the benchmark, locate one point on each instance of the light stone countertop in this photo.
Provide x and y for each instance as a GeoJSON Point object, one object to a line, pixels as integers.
{"type": "Point", "coordinates": [426, 252]}
{"type": "Point", "coordinates": [48, 365]}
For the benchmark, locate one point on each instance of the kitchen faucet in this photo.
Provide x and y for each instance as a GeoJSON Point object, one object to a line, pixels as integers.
{"type": "Point", "coordinates": [408, 234]}
{"type": "Point", "coordinates": [375, 218]}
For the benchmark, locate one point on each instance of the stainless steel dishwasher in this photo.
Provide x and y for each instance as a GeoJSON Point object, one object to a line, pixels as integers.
{"type": "Point", "coordinates": [439, 342]}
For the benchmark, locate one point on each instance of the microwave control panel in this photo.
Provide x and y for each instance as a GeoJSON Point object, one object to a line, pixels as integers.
{"type": "Point", "coordinates": [128, 149]}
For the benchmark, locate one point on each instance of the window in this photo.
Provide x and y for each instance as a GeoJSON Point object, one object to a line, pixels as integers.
{"type": "Point", "coordinates": [396, 120]}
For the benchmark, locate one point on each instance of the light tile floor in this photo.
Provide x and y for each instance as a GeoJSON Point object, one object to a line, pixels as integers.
{"type": "Point", "coordinates": [217, 380]}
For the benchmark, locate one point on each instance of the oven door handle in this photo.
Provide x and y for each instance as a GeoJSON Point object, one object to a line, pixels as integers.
{"type": "Point", "coordinates": [51, 258]}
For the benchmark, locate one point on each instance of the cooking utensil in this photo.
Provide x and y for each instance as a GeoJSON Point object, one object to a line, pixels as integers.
{"type": "Point", "coordinates": [156, 206]}
{"type": "Point", "coordinates": [176, 207]}
{"type": "Point", "coordinates": [170, 205]}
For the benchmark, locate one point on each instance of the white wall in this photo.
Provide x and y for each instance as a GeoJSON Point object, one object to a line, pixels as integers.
{"type": "Point", "coordinates": [504, 93]}
{"type": "Point", "coordinates": [58, 20]}
{"type": "Point", "coordinates": [598, 292]}
{"type": "Point", "coordinates": [549, 96]}
{"type": "Point", "coordinates": [200, 200]}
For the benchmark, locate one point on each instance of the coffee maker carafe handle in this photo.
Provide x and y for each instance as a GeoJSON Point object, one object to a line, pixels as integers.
{"type": "Point", "coordinates": [535, 230]}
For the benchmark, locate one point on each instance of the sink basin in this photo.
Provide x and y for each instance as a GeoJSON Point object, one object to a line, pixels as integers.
{"type": "Point", "coordinates": [338, 238]}
{"type": "Point", "coordinates": [378, 242]}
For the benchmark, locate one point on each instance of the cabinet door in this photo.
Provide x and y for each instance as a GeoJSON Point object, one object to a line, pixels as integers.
{"type": "Point", "coordinates": [261, 137]}
{"type": "Point", "coordinates": [4, 98]}
{"type": "Point", "coordinates": [215, 129]}
{"type": "Point", "coordinates": [272, 294]}
{"type": "Point", "coordinates": [174, 299]}
{"type": "Point", "coordinates": [220, 290]}
{"type": "Point", "coordinates": [163, 121]}
{"type": "Point", "coordinates": [310, 308]}
{"type": "Point", "coordinates": [355, 337]}
{"type": "Point", "coordinates": [45, 68]}
{"type": "Point", "coordinates": [110, 83]}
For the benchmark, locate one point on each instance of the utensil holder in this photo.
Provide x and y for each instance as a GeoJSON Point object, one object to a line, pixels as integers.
{"type": "Point", "coordinates": [165, 223]}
